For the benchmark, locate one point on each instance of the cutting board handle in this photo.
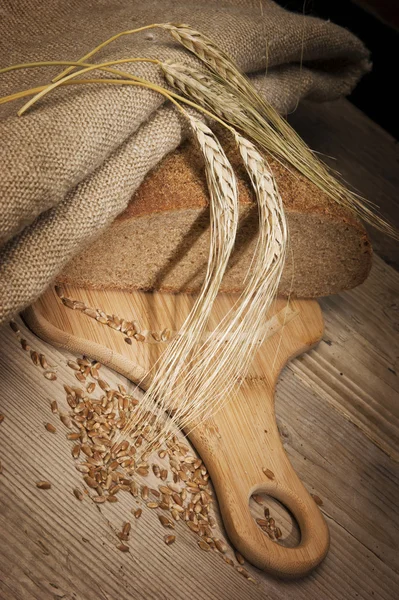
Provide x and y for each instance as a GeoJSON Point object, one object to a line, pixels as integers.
{"type": "Point", "coordinates": [243, 451]}
{"type": "Point", "coordinates": [240, 442]}
{"type": "Point", "coordinates": [259, 464]}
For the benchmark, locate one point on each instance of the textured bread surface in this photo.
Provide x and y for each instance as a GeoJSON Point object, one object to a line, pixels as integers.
{"type": "Point", "coordinates": [161, 241]}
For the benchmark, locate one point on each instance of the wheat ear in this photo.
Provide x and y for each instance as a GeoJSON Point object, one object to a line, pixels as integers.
{"type": "Point", "coordinates": [176, 362]}
{"type": "Point", "coordinates": [235, 341]}
{"type": "Point", "coordinates": [224, 219]}
{"type": "Point", "coordinates": [274, 134]}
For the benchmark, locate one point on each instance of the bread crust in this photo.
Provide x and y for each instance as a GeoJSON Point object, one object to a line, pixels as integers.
{"type": "Point", "coordinates": [160, 241]}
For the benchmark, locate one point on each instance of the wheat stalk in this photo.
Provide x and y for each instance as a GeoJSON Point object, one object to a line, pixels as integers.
{"type": "Point", "coordinates": [204, 89]}
{"type": "Point", "coordinates": [211, 93]}
{"type": "Point", "coordinates": [194, 379]}
{"type": "Point", "coordinates": [248, 319]}
{"type": "Point", "coordinates": [100, 47]}
{"type": "Point", "coordinates": [177, 359]}
{"type": "Point", "coordinates": [40, 91]}
{"type": "Point", "coordinates": [205, 388]}
{"type": "Point", "coordinates": [224, 219]}
{"type": "Point", "coordinates": [206, 50]}
{"type": "Point", "coordinates": [273, 133]}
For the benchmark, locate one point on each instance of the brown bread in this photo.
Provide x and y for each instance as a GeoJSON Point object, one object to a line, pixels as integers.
{"type": "Point", "coordinates": [161, 240]}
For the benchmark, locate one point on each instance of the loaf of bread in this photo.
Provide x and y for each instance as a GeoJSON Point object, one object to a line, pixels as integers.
{"type": "Point", "coordinates": [161, 241]}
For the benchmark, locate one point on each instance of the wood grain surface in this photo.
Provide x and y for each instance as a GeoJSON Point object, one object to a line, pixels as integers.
{"type": "Point", "coordinates": [365, 155]}
{"type": "Point", "coordinates": [240, 441]}
{"type": "Point", "coordinates": [337, 411]}
{"type": "Point", "coordinates": [339, 436]}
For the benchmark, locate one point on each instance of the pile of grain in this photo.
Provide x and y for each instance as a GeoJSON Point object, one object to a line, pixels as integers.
{"type": "Point", "coordinates": [94, 413]}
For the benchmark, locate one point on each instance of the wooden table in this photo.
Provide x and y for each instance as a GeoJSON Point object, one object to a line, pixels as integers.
{"type": "Point", "coordinates": [338, 415]}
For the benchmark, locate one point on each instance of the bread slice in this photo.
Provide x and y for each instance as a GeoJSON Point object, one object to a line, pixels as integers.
{"type": "Point", "coordinates": [161, 241]}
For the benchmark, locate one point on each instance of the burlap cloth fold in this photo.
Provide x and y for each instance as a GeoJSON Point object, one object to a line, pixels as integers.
{"type": "Point", "coordinates": [71, 164]}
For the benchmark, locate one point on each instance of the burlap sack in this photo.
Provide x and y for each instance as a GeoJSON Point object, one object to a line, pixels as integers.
{"type": "Point", "coordinates": [71, 164]}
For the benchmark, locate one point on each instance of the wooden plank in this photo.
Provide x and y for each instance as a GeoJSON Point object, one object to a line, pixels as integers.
{"type": "Point", "coordinates": [234, 442]}
{"type": "Point", "coordinates": [41, 533]}
{"type": "Point", "coordinates": [334, 445]}
{"type": "Point", "coordinates": [364, 154]}
{"type": "Point", "coordinates": [50, 537]}
{"type": "Point", "coordinates": [355, 367]}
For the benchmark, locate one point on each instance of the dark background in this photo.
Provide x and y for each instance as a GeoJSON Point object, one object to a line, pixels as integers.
{"type": "Point", "coordinates": [376, 23]}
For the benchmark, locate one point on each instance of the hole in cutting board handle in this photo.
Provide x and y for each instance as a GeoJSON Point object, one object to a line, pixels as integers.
{"type": "Point", "coordinates": [283, 518]}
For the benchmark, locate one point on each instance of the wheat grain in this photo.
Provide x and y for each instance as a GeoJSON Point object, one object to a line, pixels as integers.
{"type": "Point", "coordinates": [66, 420]}
{"type": "Point", "coordinates": [43, 485]}
{"type": "Point", "coordinates": [90, 387]}
{"type": "Point", "coordinates": [269, 474]}
{"type": "Point", "coordinates": [50, 375]}
{"type": "Point", "coordinates": [14, 327]}
{"type": "Point", "coordinates": [59, 291]}
{"type": "Point", "coordinates": [43, 361]}
{"type": "Point", "coordinates": [169, 539]}
{"type": "Point", "coordinates": [24, 344]}
{"type": "Point", "coordinates": [317, 499]}
{"type": "Point", "coordinates": [165, 522]}
{"type": "Point", "coordinates": [35, 358]}
{"type": "Point", "coordinates": [73, 365]}
{"type": "Point", "coordinates": [78, 494]}
{"type": "Point", "coordinates": [76, 451]}
{"type": "Point", "coordinates": [204, 545]}
{"type": "Point", "coordinates": [99, 499]}
{"type": "Point", "coordinates": [221, 546]}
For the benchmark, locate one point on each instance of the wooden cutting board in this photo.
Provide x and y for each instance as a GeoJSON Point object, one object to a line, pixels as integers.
{"type": "Point", "coordinates": [240, 444]}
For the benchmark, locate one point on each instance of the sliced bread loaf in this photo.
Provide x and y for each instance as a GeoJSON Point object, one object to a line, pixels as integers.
{"type": "Point", "coordinates": [161, 241]}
